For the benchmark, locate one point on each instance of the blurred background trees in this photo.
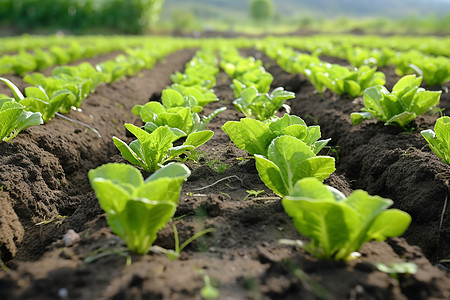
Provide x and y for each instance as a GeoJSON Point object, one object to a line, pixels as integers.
{"type": "Point", "coordinates": [81, 16]}
{"type": "Point", "coordinates": [262, 11]}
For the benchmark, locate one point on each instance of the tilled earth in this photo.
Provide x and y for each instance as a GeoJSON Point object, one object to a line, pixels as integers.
{"type": "Point", "coordinates": [45, 192]}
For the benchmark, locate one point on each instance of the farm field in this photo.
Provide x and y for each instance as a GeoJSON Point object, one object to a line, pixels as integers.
{"type": "Point", "coordinates": [45, 190]}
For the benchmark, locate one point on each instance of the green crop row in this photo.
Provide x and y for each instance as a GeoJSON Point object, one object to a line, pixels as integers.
{"type": "Point", "coordinates": [31, 42]}
{"type": "Point", "coordinates": [435, 70]}
{"type": "Point", "coordinates": [285, 151]}
{"type": "Point", "coordinates": [251, 85]}
{"type": "Point", "coordinates": [339, 79]}
{"type": "Point", "coordinates": [403, 105]}
{"type": "Point", "coordinates": [429, 45]}
{"type": "Point", "coordinates": [69, 86]}
{"type": "Point", "coordinates": [144, 207]}
{"type": "Point", "coordinates": [175, 117]}
{"type": "Point", "coordinates": [38, 59]}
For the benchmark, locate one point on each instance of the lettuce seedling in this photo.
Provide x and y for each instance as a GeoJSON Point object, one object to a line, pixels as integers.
{"type": "Point", "coordinates": [246, 72]}
{"type": "Point", "coordinates": [262, 106]}
{"type": "Point", "coordinates": [200, 71]}
{"type": "Point", "coordinates": [75, 82]}
{"type": "Point", "coordinates": [439, 139]}
{"type": "Point", "coordinates": [14, 118]}
{"type": "Point", "coordinates": [235, 65]}
{"type": "Point", "coordinates": [138, 209]}
{"type": "Point", "coordinates": [113, 70]}
{"type": "Point", "coordinates": [195, 97]}
{"type": "Point", "coordinates": [193, 79]}
{"type": "Point", "coordinates": [341, 80]}
{"type": "Point", "coordinates": [288, 160]}
{"type": "Point", "coordinates": [152, 150]}
{"type": "Point", "coordinates": [311, 72]}
{"type": "Point", "coordinates": [181, 119]}
{"type": "Point", "coordinates": [82, 71]}
{"type": "Point", "coordinates": [53, 86]}
{"type": "Point", "coordinates": [400, 107]}
{"type": "Point", "coordinates": [258, 78]}
{"type": "Point", "coordinates": [255, 136]}
{"type": "Point", "coordinates": [38, 101]}
{"type": "Point", "coordinates": [434, 70]}
{"type": "Point", "coordinates": [338, 225]}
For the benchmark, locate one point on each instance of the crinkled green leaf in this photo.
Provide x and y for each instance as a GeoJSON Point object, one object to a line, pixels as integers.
{"type": "Point", "coordinates": [171, 98]}
{"type": "Point", "coordinates": [439, 139]}
{"type": "Point", "coordinates": [337, 225]}
{"type": "Point", "coordinates": [294, 160]}
{"type": "Point", "coordinates": [137, 210]}
{"type": "Point", "coordinates": [250, 135]}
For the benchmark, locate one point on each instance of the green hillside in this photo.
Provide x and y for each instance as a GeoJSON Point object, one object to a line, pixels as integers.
{"type": "Point", "coordinates": [414, 16]}
{"type": "Point", "coordinates": [324, 8]}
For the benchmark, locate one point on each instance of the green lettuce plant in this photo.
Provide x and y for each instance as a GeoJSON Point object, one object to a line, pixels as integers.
{"type": "Point", "coordinates": [113, 70]}
{"type": "Point", "coordinates": [255, 136]}
{"type": "Point", "coordinates": [339, 225]}
{"type": "Point", "coordinates": [203, 75]}
{"type": "Point", "coordinates": [406, 101]}
{"type": "Point", "coordinates": [52, 86]}
{"type": "Point", "coordinates": [341, 80]}
{"type": "Point", "coordinates": [258, 78]}
{"type": "Point", "coordinates": [152, 150]}
{"type": "Point", "coordinates": [201, 70]}
{"type": "Point", "coordinates": [138, 209]}
{"type": "Point", "coordinates": [434, 70]}
{"type": "Point", "coordinates": [181, 119]}
{"type": "Point", "coordinates": [37, 100]}
{"type": "Point", "coordinates": [195, 97]}
{"type": "Point", "coordinates": [246, 72]}
{"type": "Point", "coordinates": [262, 106]}
{"type": "Point", "coordinates": [14, 118]}
{"type": "Point", "coordinates": [439, 139]}
{"type": "Point", "coordinates": [235, 65]}
{"type": "Point", "coordinates": [288, 160]}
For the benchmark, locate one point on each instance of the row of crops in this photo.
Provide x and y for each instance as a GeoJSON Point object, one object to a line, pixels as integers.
{"type": "Point", "coordinates": [68, 86]}
{"type": "Point", "coordinates": [287, 152]}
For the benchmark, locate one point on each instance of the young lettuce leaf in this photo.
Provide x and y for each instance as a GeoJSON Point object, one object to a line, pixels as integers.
{"type": "Point", "coordinates": [338, 225]}
{"type": "Point", "coordinates": [400, 107]}
{"type": "Point", "coordinates": [342, 80]}
{"type": "Point", "coordinates": [38, 101]}
{"type": "Point", "coordinates": [262, 106]}
{"type": "Point", "coordinates": [138, 209]}
{"type": "Point", "coordinates": [246, 72]}
{"type": "Point", "coordinates": [152, 150]}
{"type": "Point", "coordinates": [181, 118]}
{"type": "Point", "coordinates": [14, 118]}
{"type": "Point", "coordinates": [288, 160]}
{"type": "Point", "coordinates": [439, 139]}
{"type": "Point", "coordinates": [255, 136]}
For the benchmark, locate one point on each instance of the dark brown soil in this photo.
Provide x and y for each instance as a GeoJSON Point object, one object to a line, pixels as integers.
{"type": "Point", "coordinates": [44, 176]}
